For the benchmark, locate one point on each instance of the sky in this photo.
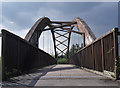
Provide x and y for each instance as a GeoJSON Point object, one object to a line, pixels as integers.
{"type": "Point", "coordinates": [19, 17]}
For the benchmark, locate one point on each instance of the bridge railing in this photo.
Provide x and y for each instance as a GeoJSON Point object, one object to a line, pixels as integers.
{"type": "Point", "coordinates": [19, 56]}
{"type": "Point", "coordinates": [100, 55]}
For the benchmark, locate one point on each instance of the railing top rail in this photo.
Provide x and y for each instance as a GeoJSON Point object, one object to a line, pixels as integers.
{"type": "Point", "coordinates": [111, 31]}
{"type": "Point", "coordinates": [21, 39]}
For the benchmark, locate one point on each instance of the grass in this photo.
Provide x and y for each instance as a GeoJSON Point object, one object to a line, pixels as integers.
{"type": "Point", "coordinates": [118, 67]}
{"type": "Point", "coordinates": [112, 75]}
{"type": "Point", "coordinates": [61, 61]}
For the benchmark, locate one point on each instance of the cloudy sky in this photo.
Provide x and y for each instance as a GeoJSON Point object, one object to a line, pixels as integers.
{"type": "Point", "coordinates": [18, 17]}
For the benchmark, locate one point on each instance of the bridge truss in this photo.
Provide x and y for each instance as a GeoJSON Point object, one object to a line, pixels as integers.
{"type": "Point", "coordinates": [56, 27]}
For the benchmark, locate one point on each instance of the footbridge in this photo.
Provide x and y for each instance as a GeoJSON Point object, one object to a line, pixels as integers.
{"type": "Point", "coordinates": [23, 55]}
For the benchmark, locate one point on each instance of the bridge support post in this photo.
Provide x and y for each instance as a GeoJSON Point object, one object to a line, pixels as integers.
{"type": "Point", "coordinates": [116, 56]}
{"type": "Point", "coordinates": [84, 39]}
{"type": "Point", "coordinates": [102, 55]}
{"type": "Point", "coordinates": [54, 44]}
{"type": "Point", "coordinates": [3, 54]}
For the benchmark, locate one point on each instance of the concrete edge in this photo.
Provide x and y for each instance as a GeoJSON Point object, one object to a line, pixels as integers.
{"type": "Point", "coordinates": [98, 73]}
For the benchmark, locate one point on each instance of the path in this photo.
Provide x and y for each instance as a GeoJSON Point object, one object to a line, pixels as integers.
{"type": "Point", "coordinates": [62, 75]}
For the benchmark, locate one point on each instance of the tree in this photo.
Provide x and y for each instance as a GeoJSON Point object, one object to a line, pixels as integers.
{"type": "Point", "coordinates": [74, 49]}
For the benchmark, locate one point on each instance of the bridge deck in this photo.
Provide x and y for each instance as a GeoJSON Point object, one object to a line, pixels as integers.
{"type": "Point", "coordinates": [61, 75]}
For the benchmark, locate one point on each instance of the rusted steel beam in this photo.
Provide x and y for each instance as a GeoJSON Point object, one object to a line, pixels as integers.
{"type": "Point", "coordinates": [62, 42]}
{"type": "Point", "coordinates": [60, 26]}
{"type": "Point", "coordinates": [57, 26]}
{"type": "Point", "coordinates": [61, 30]}
{"type": "Point", "coordinates": [60, 50]}
{"type": "Point", "coordinates": [54, 43]}
{"type": "Point", "coordinates": [60, 22]}
{"type": "Point", "coordinates": [47, 29]}
{"type": "Point", "coordinates": [69, 37]}
{"type": "Point", "coordinates": [63, 51]}
{"type": "Point", "coordinates": [73, 31]}
{"type": "Point", "coordinates": [61, 34]}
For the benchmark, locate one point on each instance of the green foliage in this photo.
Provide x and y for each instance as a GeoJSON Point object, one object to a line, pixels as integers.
{"type": "Point", "coordinates": [12, 73]}
{"type": "Point", "coordinates": [118, 65]}
{"type": "Point", "coordinates": [52, 55]}
{"type": "Point", "coordinates": [8, 74]}
{"type": "Point", "coordinates": [112, 75]}
{"type": "Point", "coordinates": [75, 48]}
{"type": "Point", "coordinates": [62, 61]}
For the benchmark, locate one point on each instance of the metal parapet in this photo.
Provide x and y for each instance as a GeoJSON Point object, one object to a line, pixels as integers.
{"type": "Point", "coordinates": [18, 55]}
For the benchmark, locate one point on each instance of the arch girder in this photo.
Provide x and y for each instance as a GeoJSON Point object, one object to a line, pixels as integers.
{"type": "Point", "coordinates": [36, 30]}
{"type": "Point", "coordinates": [83, 29]}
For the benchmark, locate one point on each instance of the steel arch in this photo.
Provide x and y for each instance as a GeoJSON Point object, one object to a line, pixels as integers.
{"type": "Point", "coordinates": [64, 26]}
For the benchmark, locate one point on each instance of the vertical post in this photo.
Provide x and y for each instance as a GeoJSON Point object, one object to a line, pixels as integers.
{"type": "Point", "coordinates": [37, 41]}
{"type": "Point", "coordinates": [117, 36]}
{"type": "Point", "coordinates": [93, 57]}
{"type": "Point", "coordinates": [18, 67]}
{"type": "Point", "coordinates": [102, 47]}
{"type": "Point", "coordinates": [1, 61]}
{"type": "Point", "coordinates": [0, 34]}
{"type": "Point", "coordinates": [3, 53]}
{"type": "Point", "coordinates": [69, 43]}
{"type": "Point", "coordinates": [84, 39]}
{"type": "Point", "coordinates": [54, 43]}
{"type": "Point", "coordinates": [68, 46]}
{"type": "Point", "coordinates": [116, 57]}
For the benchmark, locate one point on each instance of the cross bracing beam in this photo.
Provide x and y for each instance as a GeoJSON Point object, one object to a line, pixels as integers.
{"type": "Point", "coordinates": [62, 51]}
{"type": "Point", "coordinates": [62, 42]}
{"type": "Point", "coordinates": [61, 34]}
